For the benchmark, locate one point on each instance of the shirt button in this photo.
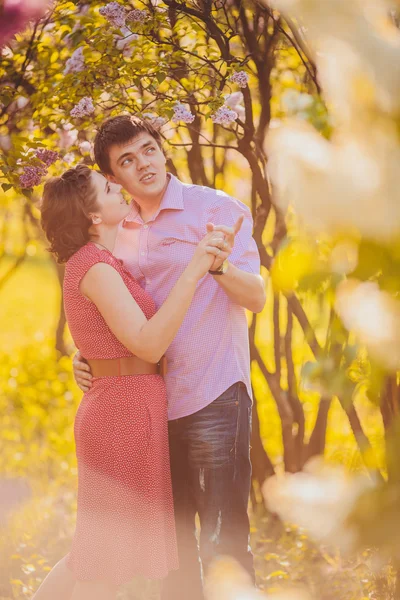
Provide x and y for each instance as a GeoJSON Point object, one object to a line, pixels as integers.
{"type": "Point", "coordinates": [142, 253]}
{"type": "Point", "coordinates": [145, 226]}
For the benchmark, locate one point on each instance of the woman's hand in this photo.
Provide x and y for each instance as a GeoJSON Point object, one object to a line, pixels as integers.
{"type": "Point", "coordinates": [204, 256]}
{"type": "Point", "coordinates": [229, 239]}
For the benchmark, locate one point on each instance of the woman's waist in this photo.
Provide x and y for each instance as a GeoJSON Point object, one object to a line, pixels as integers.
{"type": "Point", "coordinates": [133, 386]}
{"type": "Point", "coordinates": [125, 366]}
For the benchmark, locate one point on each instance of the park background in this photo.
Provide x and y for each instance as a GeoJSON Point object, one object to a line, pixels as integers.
{"type": "Point", "coordinates": [308, 90]}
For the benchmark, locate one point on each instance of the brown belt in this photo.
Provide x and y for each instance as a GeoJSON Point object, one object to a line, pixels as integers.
{"type": "Point", "coordinates": [127, 365]}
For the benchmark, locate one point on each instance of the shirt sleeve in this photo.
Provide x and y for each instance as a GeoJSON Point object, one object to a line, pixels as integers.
{"type": "Point", "coordinates": [226, 211]}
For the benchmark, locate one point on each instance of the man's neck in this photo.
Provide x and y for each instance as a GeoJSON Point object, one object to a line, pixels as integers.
{"type": "Point", "coordinates": [149, 206]}
{"type": "Point", "coordinates": [147, 210]}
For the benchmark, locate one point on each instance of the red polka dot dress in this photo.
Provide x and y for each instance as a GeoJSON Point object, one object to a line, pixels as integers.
{"type": "Point", "coordinates": [125, 521]}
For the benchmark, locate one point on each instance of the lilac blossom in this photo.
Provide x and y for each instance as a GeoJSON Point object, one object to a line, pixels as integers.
{"type": "Point", "coordinates": [84, 108]}
{"type": "Point", "coordinates": [114, 13]}
{"type": "Point", "coordinates": [140, 16]}
{"type": "Point", "coordinates": [31, 176]}
{"type": "Point", "coordinates": [224, 116]}
{"type": "Point", "coordinates": [48, 157]}
{"type": "Point", "coordinates": [181, 113]}
{"type": "Point", "coordinates": [76, 63]}
{"type": "Point", "coordinates": [241, 78]}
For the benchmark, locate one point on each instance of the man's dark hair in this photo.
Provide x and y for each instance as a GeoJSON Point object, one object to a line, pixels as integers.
{"type": "Point", "coordinates": [118, 131]}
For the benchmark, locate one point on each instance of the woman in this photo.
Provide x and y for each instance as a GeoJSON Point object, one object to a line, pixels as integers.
{"type": "Point", "coordinates": [125, 522]}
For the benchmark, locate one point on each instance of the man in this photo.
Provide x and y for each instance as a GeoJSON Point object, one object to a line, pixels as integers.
{"type": "Point", "coordinates": [208, 378]}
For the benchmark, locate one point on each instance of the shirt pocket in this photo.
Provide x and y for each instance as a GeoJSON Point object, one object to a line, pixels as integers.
{"type": "Point", "coordinates": [175, 252]}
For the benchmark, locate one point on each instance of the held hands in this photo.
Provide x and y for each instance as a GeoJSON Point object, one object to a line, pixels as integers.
{"type": "Point", "coordinates": [206, 252]}
{"type": "Point", "coordinates": [229, 234]}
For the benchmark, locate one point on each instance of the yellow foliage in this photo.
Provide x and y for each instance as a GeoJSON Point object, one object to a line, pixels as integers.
{"type": "Point", "coordinates": [296, 259]}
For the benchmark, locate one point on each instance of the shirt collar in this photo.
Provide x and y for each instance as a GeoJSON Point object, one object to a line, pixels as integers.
{"type": "Point", "coordinates": [172, 200]}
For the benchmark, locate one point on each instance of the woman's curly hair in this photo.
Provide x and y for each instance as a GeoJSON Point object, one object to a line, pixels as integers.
{"type": "Point", "coordinates": [65, 207]}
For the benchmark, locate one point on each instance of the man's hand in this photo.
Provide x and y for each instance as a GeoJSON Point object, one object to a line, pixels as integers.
{"type": "Point", "coordinates": [82, 374]}
{"type": "Point", "coordinates": [229, 240]}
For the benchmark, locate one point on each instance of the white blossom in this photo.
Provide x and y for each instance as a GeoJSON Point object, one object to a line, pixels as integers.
{"type": "Point", "coordinates": [319, 500]}
{"type": "Point", "coordinates": [374, 316]}
{"type": "Point", "coordinates": [294, 101]}
{"type": "Point", "coordinates": [155, 119]}
{"type": "Point", "coordinates": [351, 181]}
{"type": "Point", "coordinates": [85, 147]}
{"type": "Point", "coordinates": [67, 136]}
{"type": "Point", "coordinates": [69, 158]}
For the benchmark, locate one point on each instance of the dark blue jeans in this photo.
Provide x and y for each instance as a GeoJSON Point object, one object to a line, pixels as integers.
{"type": "Point", "coordinates": [211, 473]}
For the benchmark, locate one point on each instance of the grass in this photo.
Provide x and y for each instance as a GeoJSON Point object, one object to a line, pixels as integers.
{"type": "Point", "coordinates": [29, 303]}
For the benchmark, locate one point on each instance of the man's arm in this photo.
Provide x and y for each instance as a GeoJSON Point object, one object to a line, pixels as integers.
{"type": "Point", "coordinates": [82, 374]}
{"type": "Point", "coordinates": [245, 289]}
{"type": "Point", "coordinates": [242, 281]}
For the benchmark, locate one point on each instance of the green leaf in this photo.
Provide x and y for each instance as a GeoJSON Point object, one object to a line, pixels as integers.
{"type": "Point", "coordinates": [160, 77]}
{"type": "Point", "coordinates": [6, 186]}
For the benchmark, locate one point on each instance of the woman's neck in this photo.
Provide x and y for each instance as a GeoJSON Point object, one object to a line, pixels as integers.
{"type": "Point", "coordinates": [104, 238]}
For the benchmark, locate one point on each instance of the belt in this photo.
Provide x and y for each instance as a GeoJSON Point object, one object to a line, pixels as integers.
{"type": "Point", "coordinates": [127, 365]}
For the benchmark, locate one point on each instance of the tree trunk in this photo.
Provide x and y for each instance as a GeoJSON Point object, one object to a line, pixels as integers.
{"type": "Point", "coordinates": [316, 445]}
{"type": "Point", "coordinates": [262, 467]}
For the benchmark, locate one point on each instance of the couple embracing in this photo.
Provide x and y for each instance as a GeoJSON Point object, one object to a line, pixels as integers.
{"type": "Point", "coordinates": [157, 312]}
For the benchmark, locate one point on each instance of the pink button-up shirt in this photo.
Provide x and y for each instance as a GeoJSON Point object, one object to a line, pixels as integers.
{"type": "Point", "coordinates": [211, 349]}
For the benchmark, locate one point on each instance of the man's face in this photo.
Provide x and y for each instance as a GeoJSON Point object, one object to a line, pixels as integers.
{"type": "Point", "coordinates": [139, 167]}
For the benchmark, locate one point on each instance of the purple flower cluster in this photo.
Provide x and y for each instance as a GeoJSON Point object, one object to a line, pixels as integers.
{"type": "Point", "coordinates": [224, 116]}
{"type": "Point", "coordinates": [114, 13]}
{"type": "Point", "coordinates": [241, 78]}
{"type": "Point", "coordinates": [137, 15]}
{"type": "Point", "coordinates": [31, 177]}
{"type": "Point", "coordinates": [48, 157]}
{"type": "Point", "coordinates": [76, 63]}
{"type": "Point", "coordinates": [84, 108]}
{"type": "Point", "coordinates": [181, 113]}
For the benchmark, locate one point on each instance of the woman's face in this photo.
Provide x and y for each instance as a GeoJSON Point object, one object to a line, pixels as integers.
{"type": "Point", "coordinates": [112, 205]}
